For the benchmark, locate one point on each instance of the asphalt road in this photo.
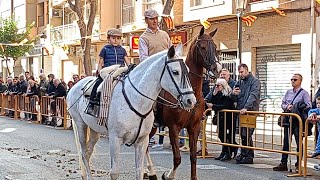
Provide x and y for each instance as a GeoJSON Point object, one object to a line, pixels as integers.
{"type": "Point", "coordinates": [33, 151]}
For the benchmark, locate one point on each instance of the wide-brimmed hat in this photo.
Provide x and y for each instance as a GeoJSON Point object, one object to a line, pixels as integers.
{"type": "Point", "coordinates": [114, 32]}
{"type": "Point", "coordinates": [150, 13]}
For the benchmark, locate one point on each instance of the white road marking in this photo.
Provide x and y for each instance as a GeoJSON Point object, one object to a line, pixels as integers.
{"type": "Point", "coordinates": [210, 167]}
{"type": "Point", "coordinates": [259, 166]}
{"type": "Point", "coordinates": [7, 130]}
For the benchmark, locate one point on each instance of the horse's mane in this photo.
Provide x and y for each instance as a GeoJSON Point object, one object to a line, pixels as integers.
{"type": "Point", "coordinates": [152, 58]}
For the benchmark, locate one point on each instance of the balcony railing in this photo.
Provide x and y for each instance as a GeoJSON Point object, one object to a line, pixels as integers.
{"type": "Point", "coordinates": [70, 33]}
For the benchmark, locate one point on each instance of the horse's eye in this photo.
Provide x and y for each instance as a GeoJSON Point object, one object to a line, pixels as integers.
{"type": "Point", "coordinates": [175, 72]}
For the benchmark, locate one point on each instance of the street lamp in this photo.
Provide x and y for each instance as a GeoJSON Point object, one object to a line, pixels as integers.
{"type": "Point", "coordinates": [43, 38]}
{"type": "Point", "coordinates": [240, 6]}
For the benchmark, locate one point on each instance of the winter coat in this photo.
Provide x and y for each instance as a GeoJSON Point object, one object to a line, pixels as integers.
{"type": "Point", "coordinates": [43, 86]}
{"type": "Point", "coordinates": [301, 109]}
{"type": "Point", "coordinates": [60, 91]}
{"type": "Point", "coordinates": [112, 55]}
{"type": "Point", "coordinates": [22, 86]}
{"type": "Point", "coordinates": [33, 90]}
{"type": "Point", "coordinates": [220, 102]}
{"type": "Point", "coordinates": [51, 89]}
{"type": "Point", "coordinates": [249, 97]}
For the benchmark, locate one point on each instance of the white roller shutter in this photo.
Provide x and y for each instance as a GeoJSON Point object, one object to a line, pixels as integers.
{"type": "Point", "coordinates": [275, 67]}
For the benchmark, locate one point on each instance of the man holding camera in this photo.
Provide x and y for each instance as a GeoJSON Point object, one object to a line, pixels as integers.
{"type": "Point", "coordinates": [247, 95]}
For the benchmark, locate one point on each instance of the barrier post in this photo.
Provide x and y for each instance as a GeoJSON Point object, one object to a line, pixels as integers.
{"type": "Point", "coordinates": [15, 107]}
{"type": "Point", "coordinates": [204, 139]}
{"type": "Point", "coordinates": [2, 105]}
{"type": "Point", "coordinates": [65, 125]}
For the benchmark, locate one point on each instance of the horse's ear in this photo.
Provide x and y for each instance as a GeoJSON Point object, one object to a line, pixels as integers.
{"type": "Point", "coordinates": [171, 52]}
{"type": "Point", "coordinates": [179, 49]}
{"type": "Point", "coordinates": [213, 32]}
{"type": "Point", "coordinates": [201, 31]}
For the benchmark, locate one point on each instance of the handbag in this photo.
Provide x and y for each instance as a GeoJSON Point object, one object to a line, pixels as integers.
{"type": "Point", "coordinates": [283, 120]}
{"type": "Point", "coordinates": [215, 120]}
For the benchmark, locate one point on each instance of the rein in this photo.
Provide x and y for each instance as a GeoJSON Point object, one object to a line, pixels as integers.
{"type": "Point", "coordinates": [143, 116]}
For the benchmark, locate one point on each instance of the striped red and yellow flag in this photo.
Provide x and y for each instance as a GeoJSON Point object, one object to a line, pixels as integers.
{"type": "Point", "coordinates": [205, 23]}
{"type": "Point", "coordinates": [281, 13]}
{"type": "Point", "coordinates": [249, 20]}
{"type": "Point", "coordinates": [169, 22]}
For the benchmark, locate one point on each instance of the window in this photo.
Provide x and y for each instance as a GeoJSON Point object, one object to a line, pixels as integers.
{"type": "Point", "coordinates": [40, 14]}
{"type": "Point", "coordinates": [128, 12]}
{"type": "Point", "coordinates": [194, 3]}
{"type": "Point", "coordinates": [257, 0]}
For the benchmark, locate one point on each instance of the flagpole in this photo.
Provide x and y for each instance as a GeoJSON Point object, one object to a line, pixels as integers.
{"type": "Point", "coordinates": [239, 49]}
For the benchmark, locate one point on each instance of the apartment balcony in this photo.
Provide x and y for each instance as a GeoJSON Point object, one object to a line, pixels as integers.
{"type": "Point", "coordinates": [194, 10]}
{"type": "Point", "coordinates": [262, 5]}
{"type": "Point", "coordinates": [70, 33]}
{"type": "Point", "coordinates": [56, 3]}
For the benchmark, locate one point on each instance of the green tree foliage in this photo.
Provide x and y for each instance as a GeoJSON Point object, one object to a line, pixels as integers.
{"type": "Point", "coordinates": [14, 42]}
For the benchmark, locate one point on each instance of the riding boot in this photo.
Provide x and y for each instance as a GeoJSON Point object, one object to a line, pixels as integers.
{"type": "Point", "coordinates": [97, 98]}
{"type": "Point", "coordinates": [90, 108]}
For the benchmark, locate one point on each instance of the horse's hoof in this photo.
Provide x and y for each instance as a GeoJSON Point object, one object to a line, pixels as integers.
{"type": "Point", "coordinates": [154, 177]}
{"type": "Point", "coordinates": [163, 176]}
{"type": "Point", "coordinates": [145, 176]}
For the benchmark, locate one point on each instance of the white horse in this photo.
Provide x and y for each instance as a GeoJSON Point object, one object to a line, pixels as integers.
{"type": "Point", "coordinates": [130, 112]}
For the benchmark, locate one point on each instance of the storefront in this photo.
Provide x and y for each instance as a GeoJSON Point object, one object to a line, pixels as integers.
{"type": "Point", "coordinates": [275, 66]}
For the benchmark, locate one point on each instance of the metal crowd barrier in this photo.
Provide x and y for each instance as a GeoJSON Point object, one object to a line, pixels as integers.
{"type": "Point", "coordinates": [44, 107]}
{"type": "Point", "coordinates": [265, 136]}
{"type": "Point", "coordinates": [309, 148]}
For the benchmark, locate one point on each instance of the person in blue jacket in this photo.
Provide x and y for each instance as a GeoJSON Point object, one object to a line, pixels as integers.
{"type": "Point", "coordinates": [111, 54]}
{"type": "Point", "coordinates": [314, 115]}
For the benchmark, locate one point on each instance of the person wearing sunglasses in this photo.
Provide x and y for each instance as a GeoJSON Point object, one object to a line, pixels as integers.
{"type": "Point", "coordinates": [219, 100]}
{"type": "Point", "coordinates": [291, 102]}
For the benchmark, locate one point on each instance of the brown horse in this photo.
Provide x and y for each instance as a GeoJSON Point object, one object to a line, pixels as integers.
{"type": "Point", "coordinates": [202, 54]}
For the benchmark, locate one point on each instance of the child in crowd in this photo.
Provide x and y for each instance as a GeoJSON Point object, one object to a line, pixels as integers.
{"type": "Point", "coordinates": [314, 115]}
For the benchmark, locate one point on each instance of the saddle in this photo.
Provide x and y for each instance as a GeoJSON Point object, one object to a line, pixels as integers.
{"type": "Point", "coordinates": [114, 71]}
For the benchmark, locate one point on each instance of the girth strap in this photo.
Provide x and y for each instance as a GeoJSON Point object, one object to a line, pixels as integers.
{"type": "Point", "coordinates": [143, 116]}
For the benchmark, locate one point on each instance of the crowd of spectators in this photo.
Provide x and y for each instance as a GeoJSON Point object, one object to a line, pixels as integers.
{"type": "Point", "coordinates": [29, 86]}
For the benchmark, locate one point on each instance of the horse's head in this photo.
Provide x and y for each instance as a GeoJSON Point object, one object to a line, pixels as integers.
{"type": "Point", "coordinates": [205, 52]}
{"type": "Point", "coordinates": [174, 79]}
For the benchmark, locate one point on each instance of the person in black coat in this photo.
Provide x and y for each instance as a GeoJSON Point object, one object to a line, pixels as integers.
{"type": "Point", "coordinates": [51, 88]}
{"type": "Point", "coordinates": [33, 93]}
{"type": "Point", "coordinates": [219, 100]}
{"type": "Point", "coordinates": [22, 85]}
{"type": "Point", "coordinates": [60, 91]}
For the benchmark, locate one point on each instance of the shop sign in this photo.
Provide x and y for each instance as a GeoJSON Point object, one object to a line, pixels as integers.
{"type": "Point", "coordinates": [134, 43]}
{"type": "Point", "coordinates": [178, 37]}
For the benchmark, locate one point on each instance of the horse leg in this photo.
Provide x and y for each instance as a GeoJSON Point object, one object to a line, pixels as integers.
{"type": "Point", "coordinates": [152, 173]}
{"type": "Point", "coordinates": [140, 149]}
{"type": "Point", "coordinates": [94, 137]}
{"type": "Point", "coordinates": [80, 133]}
{"type": "Point", "coordinates": [114, 143]}
{"type": "Point", "coordinates": [193, 137]}
{"type": "Point", "coordinates": [173, 134]}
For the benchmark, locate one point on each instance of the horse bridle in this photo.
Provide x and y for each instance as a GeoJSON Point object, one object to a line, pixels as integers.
{"type": "Point", "coordinates": [143, 116]}
{"type": "Point", "coordinates": [205, 56]}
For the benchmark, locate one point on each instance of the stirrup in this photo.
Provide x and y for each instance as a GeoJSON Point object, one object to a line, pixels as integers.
{"type": "Point", "coordinates": [92, 110]}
